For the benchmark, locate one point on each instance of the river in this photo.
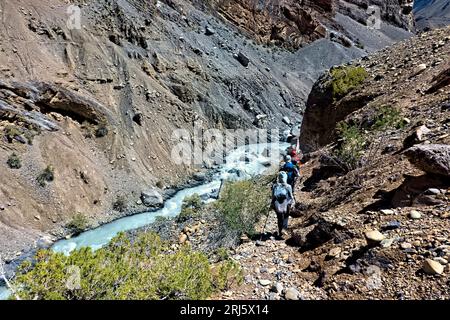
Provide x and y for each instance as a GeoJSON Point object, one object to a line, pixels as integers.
{"type": "Point", "coordinates": [241, 163]}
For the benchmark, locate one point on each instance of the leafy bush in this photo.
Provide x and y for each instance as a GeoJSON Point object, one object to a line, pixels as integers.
{"type": "Point", "coordinates": [351, 146]}
{"type": "Point", "coordinates": [190, 208]}
{"type": "Point", "coordinates": [47, 175]}
{"type": "Point", "coordinates": [143, 268]}
{"type": "Point", "coordinates": [14, 161]}
{"type": "Point", "coordinates": [387, 117]}
{"type": "Point", "coordinates": [78, 224]}
{"type": "Point", "coordinates": [346, 78]}
{"type": "Point", "coordinates": [241, 206]}
{"type": "Point", "coordinates": [120, 204]}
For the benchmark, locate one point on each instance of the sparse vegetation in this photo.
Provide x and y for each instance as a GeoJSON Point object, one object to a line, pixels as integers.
{"type": "Point", "coordinates": [351, 146]}
{"type": "Point", "coordinates": [345, 79]}
{"type": "Point", "coordinates": [161, 219]}
{"type": "Point", "coordinates": [101, 131]}
{"type": "Point", "coordinates": [190, 208]}
{"type": "Point", "coordinates": [227, 273]}
{"type": "Point", "coordinates": [160, 184]}
{"type": "Point", "coordinates": [135, 269]}
{"type": "Point", "coordinates": [11, 133]}
{"type": "Point", "coordinates": [46, 176]}
{"type": "Point", "coordinates": [387, 117]}
{"type": "Point", "coordinates": [241, 206]}
{"type": "Point", "coordinates": [14, 161]}
{"type": "Point", "coordinates": [120, 204]}
{"type": "Point", "coordinates": [78, 224]}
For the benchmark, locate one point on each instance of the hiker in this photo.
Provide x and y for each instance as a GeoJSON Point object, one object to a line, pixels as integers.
{"type": "Point", "coordinates": [291, 170]}
{"type": "Point", "coordinates": [282, 200]}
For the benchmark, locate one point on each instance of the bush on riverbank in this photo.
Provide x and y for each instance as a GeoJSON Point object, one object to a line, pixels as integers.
{"type": "Point", "coordinates": [242, 205]}
{"type": "Point", "coordinates": [143, 268]}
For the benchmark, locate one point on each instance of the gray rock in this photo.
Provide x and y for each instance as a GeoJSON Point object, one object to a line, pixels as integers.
{"type": "Point", "coordinates": [287, 120]}
{"type": "Point", "coordinates": [242, 58]}
{"type": "Point", "coordinates": [431, 158]}
{"type": "Point", "coordinates": [152, 198]}
{"type": "Point", "coordinates": [209, 31]}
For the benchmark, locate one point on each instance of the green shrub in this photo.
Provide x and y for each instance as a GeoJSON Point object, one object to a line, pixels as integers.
{"type": "Point", "coordinates": [190, 208]}
{"type": "Point", "coordinates": [14, 161]}
{"type": "Point", "coordinates": [227, 273]}
{"type": "Point", "coordinates": [351, 146]}
{"type": "Point", "coordinates": [161, 219]}
{"type": "Point", "coordinates": [346, 78]}
{"type": "Point", "coordinates": [143, 268]}
{"type": "Point", "coordinates": [241, 206]}
{"type": "Point", "coordinates": [120, 204]}
{"type": "Point", "coordinates": [101, 131]}
{"type": "Point", "coordinates": [78, 224]}
{"type": "Point", "coordinates": [387, 117]}
{"type": "Point", "coordinates": [11, 132]}
{"type": "Point", "coordinates": [47, 175]}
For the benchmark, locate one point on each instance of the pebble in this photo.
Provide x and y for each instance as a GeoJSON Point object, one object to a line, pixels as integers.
{"type": "Point", "coordinates": [406, 245]}
{"type": "Point", "coordinates": [441, 260]}
{"type": "Point", "coordinates": [278, 288]}
{"type": "Point", "coordinates": [182, 239]}
{"type": "Point", "coordinates": [264, 282]}
{"type": "Point", "coordinates": [386, 243]}
{"type": "Point", "coordinates": [432, 267]}
{"type": "Point", "coordinates": [374, 236]}
{"type": "Point", "coordinates": [292, 294]}
{"type": "Point", "coordinates": [334, 253]}
{"type": "Point", "coordinates": [387, 211]}
{"type": "Point", "coordinates": [414, 214]}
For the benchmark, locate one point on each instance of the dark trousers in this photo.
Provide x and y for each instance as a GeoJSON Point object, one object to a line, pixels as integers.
{"type": "Point", "coordinates": [283, 220]}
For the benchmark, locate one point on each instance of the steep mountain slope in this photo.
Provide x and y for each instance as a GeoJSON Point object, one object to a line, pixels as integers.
{"type": "Point", "coordinates": [431, 13]}
{"type": "Point", "coordinates": [98, 105]}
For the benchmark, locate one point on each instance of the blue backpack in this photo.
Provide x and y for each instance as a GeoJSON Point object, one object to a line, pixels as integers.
{"type": "Point", "coordinates": [290, 170]}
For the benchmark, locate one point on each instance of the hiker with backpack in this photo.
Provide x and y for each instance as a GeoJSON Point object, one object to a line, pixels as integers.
{"type": "Point", "coordinates": [282, 200]}
{"type": "Point", "coordinates": [291, 171]}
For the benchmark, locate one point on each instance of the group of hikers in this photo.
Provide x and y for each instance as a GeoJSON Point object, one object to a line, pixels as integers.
{"type": "Point", "coordinates": [283, 200]}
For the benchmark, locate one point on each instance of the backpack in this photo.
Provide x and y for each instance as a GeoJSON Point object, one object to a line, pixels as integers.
{"type": "Point", "coordinates": [290, 170]}
{"type": "Point", "coordinates": [280, 193]}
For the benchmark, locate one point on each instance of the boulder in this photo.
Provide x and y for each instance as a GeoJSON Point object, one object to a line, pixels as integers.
{"type": "Point", "coordinates": [152, 198]}
{"type": "Point", "coordinates": [431, 158]}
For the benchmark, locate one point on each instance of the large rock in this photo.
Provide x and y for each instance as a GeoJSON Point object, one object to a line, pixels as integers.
{"type": "Point", "coordinates": [431, 158]}
{"type": "Point", "coordinates": [152, 198]}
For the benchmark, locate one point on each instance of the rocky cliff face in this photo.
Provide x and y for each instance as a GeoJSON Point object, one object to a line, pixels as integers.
{"type": "Point", "coordinates": [99, 103]}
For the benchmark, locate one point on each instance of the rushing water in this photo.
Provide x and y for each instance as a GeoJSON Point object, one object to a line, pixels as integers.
{"type": "Point", "coordinates": [4, 293]}
{"type": "Point", "coordinates": [241, 163]}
